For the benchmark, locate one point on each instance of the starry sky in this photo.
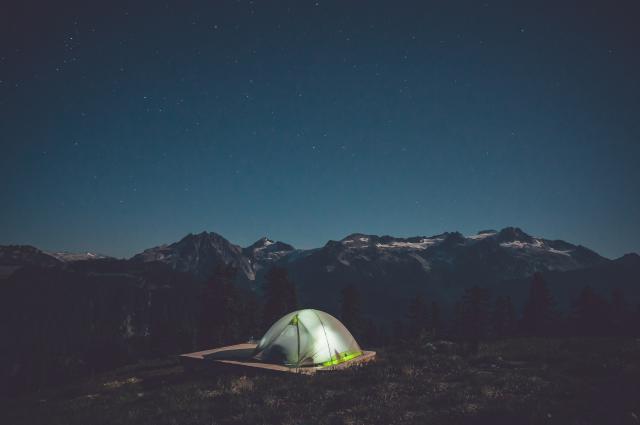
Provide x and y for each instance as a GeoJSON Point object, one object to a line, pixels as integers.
{"type": "Point", "coordinates": [124, 126]}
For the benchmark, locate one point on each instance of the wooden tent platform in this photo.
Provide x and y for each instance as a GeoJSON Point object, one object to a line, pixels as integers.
{"type": "Point", "coordinates": [239, 356]}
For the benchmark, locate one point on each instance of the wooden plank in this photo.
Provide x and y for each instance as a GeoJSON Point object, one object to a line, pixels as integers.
{"type": "Point", "coordinates": [201, 354]}
{"type": "Point", "coordinates": [209, 357]}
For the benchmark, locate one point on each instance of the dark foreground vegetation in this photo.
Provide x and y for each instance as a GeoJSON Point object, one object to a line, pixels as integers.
{"type": "Point", "coordinates": [63, 326]}
{"type": "Point", "coordinates": [513, 381]}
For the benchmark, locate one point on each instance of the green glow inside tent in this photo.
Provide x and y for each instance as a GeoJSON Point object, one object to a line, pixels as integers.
{"type": "Point", "coordinates": [307, 338]}
{"type": "Point", "coordinates": [341, 358]}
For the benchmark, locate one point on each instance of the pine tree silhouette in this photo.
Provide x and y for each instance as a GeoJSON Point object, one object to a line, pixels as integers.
{"type": "Point", "coordinates": [503, 319]}
{"type": "Point", "coordinates": [280, 296]}
{"type": "Point", "coordinates": [418, 316]}
{"type": "Point", "coordinates": [436, 325]}
{"type": "Point", "coordinates": [539, 312]}
{"type": "Point", "coordinates": [371, 333]}
{"type": "Point", "coordinates": [475, 316]}
{"type": "Point", "coordinates": [397, 332]}
{"type": "Point", "coordinates": [620, 317]}
{"type": "Point", "coordinates": [457, 324]}
{"type": "Point", "coordinates": [218, 318]}
{"type": "Point", "coordinates": [249, 320]}
{"type": "Point", "coordinates": [591, 313]}
{"type": "Point", "coordinates": [350, 310]}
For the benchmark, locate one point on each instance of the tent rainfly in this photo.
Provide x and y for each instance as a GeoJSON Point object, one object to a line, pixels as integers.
{"type": "Point", "coordinates": [307, 338]}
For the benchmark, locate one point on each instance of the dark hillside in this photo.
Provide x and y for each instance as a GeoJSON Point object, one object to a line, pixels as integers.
{"type": "Point", "coordinates": [530, 381]}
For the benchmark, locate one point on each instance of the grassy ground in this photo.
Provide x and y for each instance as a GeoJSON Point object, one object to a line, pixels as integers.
{"type": "Point", "coordinates": [521, 381]}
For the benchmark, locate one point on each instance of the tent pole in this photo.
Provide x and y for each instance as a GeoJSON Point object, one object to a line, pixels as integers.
{"type": "Point", "coordinates": [326, 338]}
{"type": "Point", "coordinates": [298, 332]}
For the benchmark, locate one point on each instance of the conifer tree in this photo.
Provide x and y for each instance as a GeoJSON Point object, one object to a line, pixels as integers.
{"type": "Point", "coordinates": [397, 332]}
{"type": "Point", "coordinates": [370, 333]}
{"type": "Point", "coordinates": [249, 319]}
{"type": "Point", "coordinates": [418, 316]}
{"type": "Point", "coordinates": [539, 312]}
{"type": "Point", "coordinates": [620, 316]}
{"type": "Point", "coordinates": [218, 318]}
{"type": "Point", "coordinates": [280, 296]}
{"type": "Point", "coordinates": [591, 313]}
{"type": "Point", "coordinates": [475, 316]}
{"type": "Point", "coordinates": [503, 318]}
{"type": "Point", "coordinates": [436, 326]}
{"type": "Point", "coordinates": [350, 310]}
{"type": "Point", "coordinates": [457, 323]}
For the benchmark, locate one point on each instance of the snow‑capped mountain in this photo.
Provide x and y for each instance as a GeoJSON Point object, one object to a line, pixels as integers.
{"type": "Point", "coordinates": [487, 256]}
{"type": "Point", "coordinates": [26, 255]}
{"type": "Point", "coordinates": [200, 255]}
{"type": "Point", "coordinates": [528, 254]}
{"type": "Point", "coordinates": [15, 257]}
{"type": "Point", "coordinates": [388, 269]}
{"type": "Point", "coordinates": [444, 260]}
{"type": "Point", "coordinates": [543, 254]}
{"type": "Point", "coordinates": [265, 252]}
{"type": "Point", "coordinates": [69, 257]}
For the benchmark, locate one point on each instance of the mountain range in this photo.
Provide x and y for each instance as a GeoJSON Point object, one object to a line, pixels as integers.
{"type": "Point", "coordinates": [64, 314]}
{"type": "Point", "coordinates": [387, 270]}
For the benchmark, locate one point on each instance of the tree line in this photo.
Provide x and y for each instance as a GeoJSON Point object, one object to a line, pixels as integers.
{"type": "Point", "coordinates": [100, 322]}
{"type": "Point", "coordinates": [477, 316]}
{"type": "Point", "coordinates": [229, 314]}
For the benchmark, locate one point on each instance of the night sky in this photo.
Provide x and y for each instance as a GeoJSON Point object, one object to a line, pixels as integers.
{"type": "Point", "coordinates": [127, 126]}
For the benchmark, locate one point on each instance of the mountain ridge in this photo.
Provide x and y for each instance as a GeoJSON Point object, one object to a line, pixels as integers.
{"type": "Point", "coordinates": [387, 270]}
{"type": "Point", "coordinates": [201, 253]}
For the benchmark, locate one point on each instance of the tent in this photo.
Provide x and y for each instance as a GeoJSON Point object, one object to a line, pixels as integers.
{"type": "Point", "coordinates": [307, 338]}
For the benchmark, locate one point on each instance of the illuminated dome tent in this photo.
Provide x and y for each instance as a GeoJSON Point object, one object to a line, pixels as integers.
{"type": "Point", "coordinates": [307, 338]}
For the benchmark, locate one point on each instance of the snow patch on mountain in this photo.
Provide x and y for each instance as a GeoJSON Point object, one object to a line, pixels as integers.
{"type": "Point", "coordinates": [522, 245]}
{"type": "Point", "coordinates": [496, 255]}
{"type": "Point", "coordinates": [426, 266]}
{"type": "Point", "coordinates": [200, 255]}
{"type": "Point", "coordinates": [482, 235]}
{"type": "Point", "coordinates": [422, 244]}
{"type": "Point", "coordinates": [536, 244]}
{"type": "Point", "coordinates": [557, 251]}
{"type": "Point", "coordinates": [69, 257]}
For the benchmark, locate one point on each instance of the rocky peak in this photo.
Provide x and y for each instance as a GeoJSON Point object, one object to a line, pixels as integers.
{"type": "Point", "coordinates": [513, 234]}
